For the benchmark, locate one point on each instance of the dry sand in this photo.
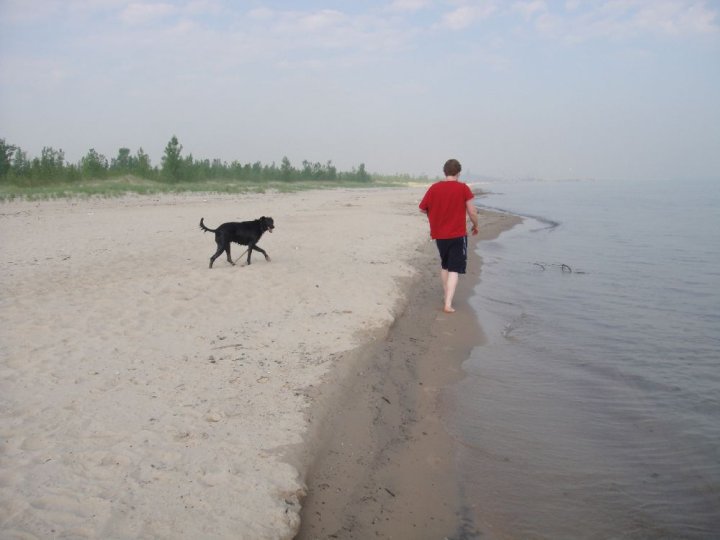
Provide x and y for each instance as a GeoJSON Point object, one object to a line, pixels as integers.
{"type": "Point", "coordinates": [143, 395]}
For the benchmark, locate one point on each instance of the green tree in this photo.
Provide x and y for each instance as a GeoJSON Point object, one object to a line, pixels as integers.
{"type": "Point", "coordinates": [172, 162]}
{"type": "Point", "coordinates": [286, 169]}
{"type": "Point", "coordinates": [331, 171]}
{"type": "Point", "coordinates": [306, 170]}
{"type": "Point", "coordinates": [71, 173]}
{"type": "Point", "coordinates": [123, 162]}
{"type": "Point", "coordinates": [15, 167]}
{"type": "Point", "coordinates": [362, 175]}
{"type": "Point", "coordinates": [190, 169]}
{"type": "Point", "coordinates": [94, 165]}
{"type": "Point", "coordinates": [49, 166]}
{"type": "Point", "coordinates": [141, 164]}
{"type": "Point", "coordinates": [6, 152]}
{"type": "Point", "coordinates": [218, 169]}
{"type": "Point", "coordinates": [20, 164]}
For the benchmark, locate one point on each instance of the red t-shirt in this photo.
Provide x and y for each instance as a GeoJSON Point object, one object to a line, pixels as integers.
{"type": "Point", "coordinates": [445, 204]}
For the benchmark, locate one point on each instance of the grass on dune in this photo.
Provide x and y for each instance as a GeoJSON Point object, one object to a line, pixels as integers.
{"type": "Point", "coordinates": [117, 187]}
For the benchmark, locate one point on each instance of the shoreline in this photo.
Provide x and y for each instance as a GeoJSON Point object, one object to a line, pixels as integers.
{"type": "Point", "coordinates": [383, 465]}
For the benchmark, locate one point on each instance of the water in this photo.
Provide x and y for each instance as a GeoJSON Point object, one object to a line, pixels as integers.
{"type": "Point", "coordinates": [594, 409]}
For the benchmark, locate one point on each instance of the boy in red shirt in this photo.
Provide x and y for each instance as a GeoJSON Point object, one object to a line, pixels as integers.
{"type": "Point", "coordinates": [446, 203]}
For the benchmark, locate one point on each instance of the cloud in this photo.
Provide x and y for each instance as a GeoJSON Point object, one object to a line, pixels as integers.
{"type": "Point", "coordinates": [301, 23]}
{"type": "Point", "coordinates": [200, 7]}
{"type": "Point", "coordinates": [24, 12]}
{"type": "Point", "coordinates": [285, 35]}
{"type": "Point", "coordinates": [571, 5]}
{"type": "Point", "coordinates": [261, 14]}
{"type": "Point", "coordinates": [407, 5]}
{"type": "Point", "coordinates": [325, 19]}
{"type": "Point", "coordinates": [466, 15]}
{"type": "Point", "coordinates": [676, 18]}
{"type": "Point", "coordinates": [143, 13]}
{"type": "Point", "coordinates": [530, 9]}
{"type": "Point", "coordinates": [624, 19]}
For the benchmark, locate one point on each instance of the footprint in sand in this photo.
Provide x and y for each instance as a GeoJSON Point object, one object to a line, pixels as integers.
{"type": "Point", "coordinates": [34, 442]}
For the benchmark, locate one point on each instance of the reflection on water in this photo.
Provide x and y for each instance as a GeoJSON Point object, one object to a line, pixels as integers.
{"type": "Point", "coordinates": [594, 410]}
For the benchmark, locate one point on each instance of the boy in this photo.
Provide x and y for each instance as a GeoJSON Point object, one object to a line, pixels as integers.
{"type": "Point", "coordinates": [446, 202]}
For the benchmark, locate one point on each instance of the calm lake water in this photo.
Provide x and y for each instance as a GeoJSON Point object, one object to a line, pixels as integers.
{"type": "Point", "coordinates": [594, 409]}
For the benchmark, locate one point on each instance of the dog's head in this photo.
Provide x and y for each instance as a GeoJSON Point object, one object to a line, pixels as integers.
{"type": "Point", "coordinates": [267, 223]}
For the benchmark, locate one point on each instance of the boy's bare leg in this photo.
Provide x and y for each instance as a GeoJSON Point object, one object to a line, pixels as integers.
{"type": "Point", "coordinates": [449, 281]}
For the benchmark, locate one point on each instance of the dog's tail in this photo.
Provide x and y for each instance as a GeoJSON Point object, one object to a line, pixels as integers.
{"type": "Point", "coordinates": [204, 228]}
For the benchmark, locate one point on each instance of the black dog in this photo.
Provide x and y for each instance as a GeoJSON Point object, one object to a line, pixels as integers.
{"type": "Point", "coordinates": [246, 233]}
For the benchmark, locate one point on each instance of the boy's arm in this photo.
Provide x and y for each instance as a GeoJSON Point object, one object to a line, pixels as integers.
{"type": "Point", "coordinates": [424, 204]}
{"type": "Point", "coordinates": [473, 214]}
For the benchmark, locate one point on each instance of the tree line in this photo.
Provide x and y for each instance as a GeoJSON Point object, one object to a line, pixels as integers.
{"type": "Point", "coordinates": [52, 167]}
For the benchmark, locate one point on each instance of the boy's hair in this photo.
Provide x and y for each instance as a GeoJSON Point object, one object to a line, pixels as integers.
{"type": "Point", "coordinates": [452, 167]}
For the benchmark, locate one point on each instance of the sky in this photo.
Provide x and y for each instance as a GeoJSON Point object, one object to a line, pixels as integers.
{"type": "Point", "coordinates": [601, 89]}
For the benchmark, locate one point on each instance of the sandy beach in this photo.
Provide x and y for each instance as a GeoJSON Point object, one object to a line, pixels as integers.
{"type": "Point", "coordinates": [143, 395]}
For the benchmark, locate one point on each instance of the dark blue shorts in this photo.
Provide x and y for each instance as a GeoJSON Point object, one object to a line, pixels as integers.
{"type": "Point", "coordinates": [453, 254]}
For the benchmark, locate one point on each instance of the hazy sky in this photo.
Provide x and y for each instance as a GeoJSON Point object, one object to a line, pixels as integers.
{"type": "Point", "coordinates": [617, 89]}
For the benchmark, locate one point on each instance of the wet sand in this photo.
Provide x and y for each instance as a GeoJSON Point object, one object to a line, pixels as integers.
{"type": "Point", "coordinates": [384, 465]}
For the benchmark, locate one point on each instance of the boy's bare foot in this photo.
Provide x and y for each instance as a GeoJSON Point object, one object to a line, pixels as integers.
{"type": "Point", "coordinates": [448, 310]}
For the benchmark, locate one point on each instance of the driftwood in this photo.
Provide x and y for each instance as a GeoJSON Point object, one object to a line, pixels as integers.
{"type": "Point", "coordinates": [565, 268]}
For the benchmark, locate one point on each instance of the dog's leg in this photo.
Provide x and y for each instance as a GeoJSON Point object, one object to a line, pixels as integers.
{"type": "Point", "coordinates": [229, 258]}
{"type": "Point", "coordinates": [219, 251]}
{"type": "Point", "coordinates": [261, 250]}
